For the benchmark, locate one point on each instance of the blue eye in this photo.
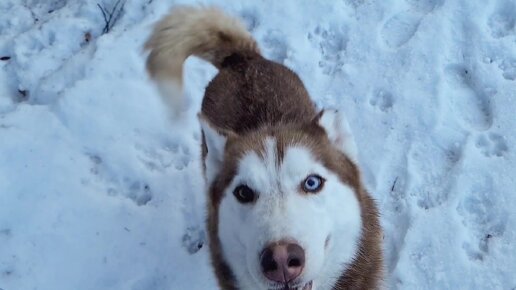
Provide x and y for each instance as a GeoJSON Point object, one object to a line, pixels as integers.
{"type": "Point", "coordinates": [313, 183]}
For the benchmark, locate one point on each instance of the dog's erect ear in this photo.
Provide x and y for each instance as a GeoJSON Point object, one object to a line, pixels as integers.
{"type": "Point", "coordinates": [215, 141]}
{"type": "Point", "coordinates": [338, 131]}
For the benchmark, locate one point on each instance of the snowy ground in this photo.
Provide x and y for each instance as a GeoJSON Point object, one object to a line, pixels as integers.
{"type": "Point", "coordinates": [99, 190]}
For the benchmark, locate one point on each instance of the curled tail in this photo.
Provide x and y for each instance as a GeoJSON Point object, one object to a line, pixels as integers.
{"type": "Point", "coordinates": [205, 32]}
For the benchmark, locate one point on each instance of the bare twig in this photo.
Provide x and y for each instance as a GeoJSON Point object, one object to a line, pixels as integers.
{"type": "Point", "coordinates": [119, 13]}
{"type": "Point", "coordinates": [23, 95]}
{"type": "Point", "coordinates": [394, 184]}
{"type": "Point", "coordinates": [104, 15]}
{"type": "Point", "coordinates": [111, 17]}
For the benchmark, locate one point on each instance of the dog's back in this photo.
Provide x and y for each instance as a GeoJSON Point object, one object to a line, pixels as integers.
{"type": "Point", "coordinates": [250, 92]}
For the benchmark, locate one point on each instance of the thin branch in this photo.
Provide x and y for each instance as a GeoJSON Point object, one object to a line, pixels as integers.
{"type": "Point", "coordinates": [106, 27]}
{"type": "Point", "coordinates": [394, 184]}
{"type": "Point", "coordinates": [112, 16]}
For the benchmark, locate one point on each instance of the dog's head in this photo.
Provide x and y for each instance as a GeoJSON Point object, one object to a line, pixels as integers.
{"type": "Point", "coordinates": [284, 204]}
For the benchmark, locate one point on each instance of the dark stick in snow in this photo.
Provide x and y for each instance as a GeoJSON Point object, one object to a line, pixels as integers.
{"type": "Point", "coordinates": [110, 18]}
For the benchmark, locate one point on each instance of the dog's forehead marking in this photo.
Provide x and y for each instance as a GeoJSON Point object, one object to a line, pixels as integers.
{"type": "Point", "coordinates": [259, 168]}
{"type": "Point", "coordinates": [277, 168]}
{"type": "Point", "coordinates": [297, 160]}
{"type": "Point", "coordinates": [257, 160]}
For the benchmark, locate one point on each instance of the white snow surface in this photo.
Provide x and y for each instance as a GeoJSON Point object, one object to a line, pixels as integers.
{"type": "Point", "coordinates": [99, 189]}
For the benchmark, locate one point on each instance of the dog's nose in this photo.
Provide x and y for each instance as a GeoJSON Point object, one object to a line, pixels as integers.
{"type": "Point", "coordinates": [282, 262]}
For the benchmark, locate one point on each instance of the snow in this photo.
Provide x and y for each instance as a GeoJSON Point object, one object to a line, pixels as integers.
{"type": "Point", "coordinates": [99, 189]}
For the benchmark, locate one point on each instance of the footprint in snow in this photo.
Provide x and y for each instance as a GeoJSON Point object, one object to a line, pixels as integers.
{"type": "Point", "coordinates": [401, 27]}
{"type": "Point", "coordinates": [508, 68]}
{"type": "Point", "coordinates": [162, 157]}
{"type": "Point", "coordinates": [482, 217]}
{"type": "Point", "coordinates": [138, 191]}
{"type": "Point", "coordinates": [433, 164]}
{"type": "Point", "coordinates": [382, 99]}
{"type": "Point", "coordinates": [424, 6]}
{"type": "Point", "coordinates": [470, 104]}
{"type": "Point", "coordinates": [332, 43]}
{"type": "Point", "coordinates": [151, 282]}
{"type": "Point", "coordinates": [5, 232]}
{"type": "Point", "coordinates": [354, 3]}
{"type": "Point", "coordinates": [193, 239]}
{"type": "Point", "coordinates": [250, 18]}
{"type": "Point", "coordinates": [390, 182]}
{"type": "Point", "coordinates": [275, 45]}
{"type": "Point", "coordinates": [400, 225]}
{"type": "Point", "coordinates": [503, 20]}
{"type": "Point", "coordinates": [492, 145]}
{"type": "Point", "coordinates": [8, 268]}
{"type": "Point", "coordinates": [194, 236]}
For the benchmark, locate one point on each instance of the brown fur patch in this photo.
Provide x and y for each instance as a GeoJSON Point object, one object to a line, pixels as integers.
{"type": "Point", "coordinates": [366, 271]}
{"type": "Point", "coordinates": [252, 92]}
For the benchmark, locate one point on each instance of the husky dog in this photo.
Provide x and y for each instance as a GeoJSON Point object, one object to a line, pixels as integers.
{"type": "Point", "coordinates": [286, 205]}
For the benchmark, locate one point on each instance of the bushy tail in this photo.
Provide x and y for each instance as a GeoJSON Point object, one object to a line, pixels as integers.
{"type": "Point", "coordinates": [205, 32]}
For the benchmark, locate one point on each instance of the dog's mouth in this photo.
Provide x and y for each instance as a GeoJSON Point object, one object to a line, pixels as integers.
{"type": "Point", "coordinates": [297, 286]}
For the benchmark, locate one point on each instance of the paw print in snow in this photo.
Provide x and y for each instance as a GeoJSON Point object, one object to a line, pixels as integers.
{"type": "Point", "coordinates": [508, 67]}
{"type": "Point", "coordinates": [275, 46]}
{"type": "Point", "coordinates": [354, 3]}
{"type": "Point", "coordinates": [332, 44]}
{"type": "Point", "coordinates": [503, 21]}
{"type": "Point", "coordinates": [140, 193]}
{"type": "Point", "coordinates": [193, 239]}
{"type": "Point", "coordinates": [382, 99]}
{"type": "Point", "coordinates": [470, 102]}
{"type": "Point", "coordinates": [250, 18]}
{"type": "Point", "coordinates": [492, 145]}
{"type": "Point", "coordinates": [424, 6]}
{"type": "Point", "coordinates": [482, 216]}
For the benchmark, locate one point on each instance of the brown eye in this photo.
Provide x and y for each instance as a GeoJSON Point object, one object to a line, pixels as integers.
{"type": "Point", "coordinates": [244, 194]}
{"type": "Point", "coordinates": [313, 183]}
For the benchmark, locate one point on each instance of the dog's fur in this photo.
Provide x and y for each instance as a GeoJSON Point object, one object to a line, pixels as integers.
{"type": "Point", "coordinates": [261, 129]}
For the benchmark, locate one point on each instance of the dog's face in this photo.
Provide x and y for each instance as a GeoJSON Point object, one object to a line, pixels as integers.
{"type": "Point", "coordinates": [288, 203]}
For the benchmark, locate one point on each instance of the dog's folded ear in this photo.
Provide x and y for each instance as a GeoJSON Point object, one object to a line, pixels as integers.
{"type": "Point", "coordinates": [214, 140]}
{"type": "Point", "coordinates": [338, 130]}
